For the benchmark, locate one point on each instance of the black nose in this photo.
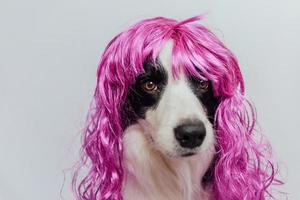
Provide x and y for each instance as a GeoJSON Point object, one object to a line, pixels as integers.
{"type": "Point", "coordinates": [190, 135]}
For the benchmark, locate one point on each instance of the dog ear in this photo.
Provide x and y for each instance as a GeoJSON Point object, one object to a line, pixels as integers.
{"type": "Point", "coordinates": [244, 168]}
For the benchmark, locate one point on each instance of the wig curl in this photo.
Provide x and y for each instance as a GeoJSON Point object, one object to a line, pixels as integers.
{"type": "Point", "coordinates": [243, 166]}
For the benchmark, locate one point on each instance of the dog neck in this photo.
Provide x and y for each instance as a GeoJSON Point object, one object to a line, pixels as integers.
{"type": "Point", "coordinates": [150, 175]}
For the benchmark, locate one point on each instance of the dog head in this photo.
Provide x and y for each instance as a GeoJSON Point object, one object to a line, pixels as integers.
{"type": "Point", "coordinates": [178, 111]}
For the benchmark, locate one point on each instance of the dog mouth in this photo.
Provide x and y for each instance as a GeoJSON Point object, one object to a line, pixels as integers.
{"type": "Point", "coordinates": [188, 154]}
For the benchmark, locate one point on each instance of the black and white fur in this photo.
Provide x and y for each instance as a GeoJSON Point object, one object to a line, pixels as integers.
{"type": "Point", "coordinates": [157, 164]}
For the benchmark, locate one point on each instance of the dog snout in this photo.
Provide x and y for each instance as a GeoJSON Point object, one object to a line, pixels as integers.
{"type": "Point", "coordinates": [190, 135]}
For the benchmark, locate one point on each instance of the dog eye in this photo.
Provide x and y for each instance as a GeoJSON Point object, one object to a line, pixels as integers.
{"type": "Point", "coordinates": [203, 85]}
{"type": "Point", "coordinates": [150, 87]}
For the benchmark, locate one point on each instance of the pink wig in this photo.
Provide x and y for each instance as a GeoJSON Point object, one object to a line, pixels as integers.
{"type": "Point", "coordinates": [242, 168]}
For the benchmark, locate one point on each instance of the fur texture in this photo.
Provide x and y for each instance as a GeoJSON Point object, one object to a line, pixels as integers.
{"type": "Point", "coordinates": [238, 160]}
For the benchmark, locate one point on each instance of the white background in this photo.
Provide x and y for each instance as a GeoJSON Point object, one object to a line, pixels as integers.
{"type": "Point", "coordinates": [49, 52]}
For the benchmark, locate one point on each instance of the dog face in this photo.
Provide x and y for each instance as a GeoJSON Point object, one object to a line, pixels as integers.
{"type": "Point", "coordinates": [178, 112]}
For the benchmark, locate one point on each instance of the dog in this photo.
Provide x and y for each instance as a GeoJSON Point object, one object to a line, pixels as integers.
{"type": "Point", "coordinates": [171, 145]}
{"type": "Point", "coordinates": [170, 120]}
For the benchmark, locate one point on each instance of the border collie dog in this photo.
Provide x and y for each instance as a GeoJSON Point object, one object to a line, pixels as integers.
{"type": "Point", "coordinates": [169, 121]}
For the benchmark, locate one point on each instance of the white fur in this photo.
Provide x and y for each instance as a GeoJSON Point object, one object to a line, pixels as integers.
{"type": "Point", "coordinates": [153, 166]}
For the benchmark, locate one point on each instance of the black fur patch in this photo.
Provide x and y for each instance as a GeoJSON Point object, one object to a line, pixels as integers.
{"type": "Point", "coordinates": [138, 100]}
{"type": "Point", "coordinates": [206, 97]}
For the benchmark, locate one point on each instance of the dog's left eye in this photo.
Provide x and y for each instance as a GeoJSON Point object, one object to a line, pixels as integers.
{"type": "Point", "coordinates": [199, 85]}
{"type": "Point", "coordinates": [150, 87]}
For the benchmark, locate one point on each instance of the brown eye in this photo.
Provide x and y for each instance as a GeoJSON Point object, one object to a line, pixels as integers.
{"type": "Point", "coordinates": [203, 85]}
{"type": "Point", "coordinates": [150, 86]}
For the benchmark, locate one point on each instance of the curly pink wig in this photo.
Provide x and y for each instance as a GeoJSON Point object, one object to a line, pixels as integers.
{"type": "Point", "coordinates": [243, 166]}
